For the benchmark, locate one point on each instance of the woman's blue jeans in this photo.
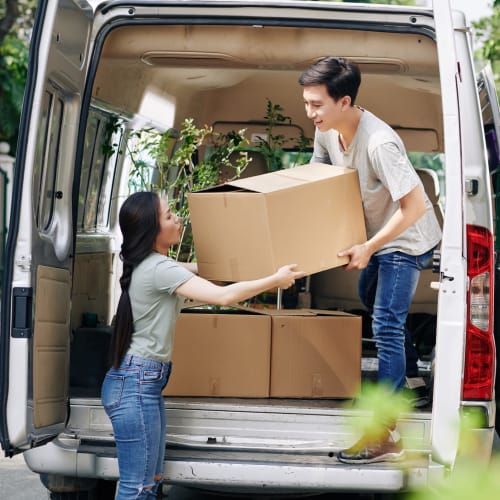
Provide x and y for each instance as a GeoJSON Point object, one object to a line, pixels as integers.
{"type": "Point", "coordinates": [386, 288]}
{"type": "Point", "coordinates": [133, 401]}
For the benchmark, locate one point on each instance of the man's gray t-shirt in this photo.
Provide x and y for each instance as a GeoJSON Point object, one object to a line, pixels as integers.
{"type": "Point", "coordinates": [155, 305]}
{"type": "Point", "coordinates": [385, 176]}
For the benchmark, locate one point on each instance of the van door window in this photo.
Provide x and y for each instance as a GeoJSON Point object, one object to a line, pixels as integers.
{"type": "Point", "coordinates": [102, 146]}
{"type": "Point", "coordinates": [46, 162]}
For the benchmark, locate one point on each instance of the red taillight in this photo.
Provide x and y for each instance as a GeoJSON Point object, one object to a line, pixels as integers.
{"type": "Point", "coordinates": [479, 369]}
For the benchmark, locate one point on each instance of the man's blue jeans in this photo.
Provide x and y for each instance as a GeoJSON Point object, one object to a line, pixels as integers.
{"type": "Point", "coordinates": [133, 401]}
{"type": "Point", "coordinates": [386, 288]}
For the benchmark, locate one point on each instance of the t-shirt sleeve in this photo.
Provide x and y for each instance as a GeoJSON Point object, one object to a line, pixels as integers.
{"type": "Point", "coordinates": [169, 275]}
{"type": "Point", "coordinates": [320, 152]}
{"type": "Point", "coordinates": [393, 168]}
{"type": "Point", "coordinates": [327, 148]}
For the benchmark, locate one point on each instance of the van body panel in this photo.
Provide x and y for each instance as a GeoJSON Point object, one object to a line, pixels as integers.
{"type": "Point", "coordinates": [154, 63]}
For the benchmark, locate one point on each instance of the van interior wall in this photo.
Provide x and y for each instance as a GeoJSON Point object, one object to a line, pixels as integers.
{"type": "Point", "coordinates": [93, 279]}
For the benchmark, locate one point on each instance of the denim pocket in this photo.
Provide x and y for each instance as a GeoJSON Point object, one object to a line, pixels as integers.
{"type": "Point", "coordinates": [151, 375]}
{"type": "Point", "coordinates": [112, 390]}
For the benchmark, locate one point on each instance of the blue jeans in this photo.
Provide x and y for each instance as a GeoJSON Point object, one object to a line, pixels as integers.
{"type": "Point", "coordinates": [133, 401]}
{"type": "Point", "coordinates": [386, 288]}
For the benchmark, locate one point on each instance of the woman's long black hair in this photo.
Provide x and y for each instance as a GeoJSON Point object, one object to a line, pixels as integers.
{"type": "Point", "coordinates": [139, 224]}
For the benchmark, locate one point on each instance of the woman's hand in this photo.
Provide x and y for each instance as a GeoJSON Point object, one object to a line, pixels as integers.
{"type": "Point", "coordinates": [286, 276]}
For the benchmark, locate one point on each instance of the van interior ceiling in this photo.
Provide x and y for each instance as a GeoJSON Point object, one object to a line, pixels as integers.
{"type": "Point", "coordinates": [169, 73]}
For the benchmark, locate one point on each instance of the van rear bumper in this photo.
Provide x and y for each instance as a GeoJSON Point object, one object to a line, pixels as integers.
{"type": "Point", "coordinates": [242, 471]}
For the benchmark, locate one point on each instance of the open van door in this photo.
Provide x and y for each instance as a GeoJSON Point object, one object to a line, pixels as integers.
{"type": "Point", "coordinates": [35, 309]}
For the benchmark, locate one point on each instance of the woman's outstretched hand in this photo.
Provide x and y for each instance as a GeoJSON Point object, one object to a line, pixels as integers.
{"type": "Point", "coordinates": [287, 275]}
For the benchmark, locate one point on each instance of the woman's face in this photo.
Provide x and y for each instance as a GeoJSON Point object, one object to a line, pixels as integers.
{"type": "Point", "coordinates": [170, 229]}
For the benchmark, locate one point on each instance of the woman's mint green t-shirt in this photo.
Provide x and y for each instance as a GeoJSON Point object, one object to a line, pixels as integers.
{"type": "Point", "coordinates": [155, 305]}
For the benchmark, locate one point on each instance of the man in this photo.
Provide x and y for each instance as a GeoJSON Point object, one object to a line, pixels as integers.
{"type": "Point", "coordinates": [402, 229]}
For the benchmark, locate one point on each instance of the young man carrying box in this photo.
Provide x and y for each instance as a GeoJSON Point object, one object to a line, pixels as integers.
{"type": "Point", "coordinates": [402, 228]}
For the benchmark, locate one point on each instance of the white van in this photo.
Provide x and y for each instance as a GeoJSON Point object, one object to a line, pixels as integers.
{"type": "Point", "coordinates": [156, 63]}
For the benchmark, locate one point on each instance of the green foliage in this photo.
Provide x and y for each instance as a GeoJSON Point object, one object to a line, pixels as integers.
{"type": "Point", "coordinates": [13, 70]}
{"type": "Point", "coordinates": [272, 146]}
{"type": "Point", "coordinates": [169, 166]}
{"type": "Point", "coordinates": [382, 404]}
{"type": "Point", "coordinates": [471, 478]}
{"type": "Point", "coordinates": [164, 162]}
{"type": "Point", "coordinates": [487, 35]}
{"type": "Point", "coordinates": [18, 18]}
{"type": "Point", "coordinates": [16, 21]}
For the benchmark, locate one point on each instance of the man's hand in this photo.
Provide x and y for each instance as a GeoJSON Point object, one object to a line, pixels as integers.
{"type": "Point", "coordinates": [359, 255]}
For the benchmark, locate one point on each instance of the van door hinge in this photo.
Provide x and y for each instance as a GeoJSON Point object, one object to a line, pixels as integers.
{"type": "Point", "coordinates": [24, 263]}
{"type": "Point", "coordinates": [471, 186]}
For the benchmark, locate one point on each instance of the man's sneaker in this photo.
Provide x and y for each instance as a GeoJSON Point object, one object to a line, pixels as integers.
{"type": "Point", "coordinates": [388, 448]}
{"type": "Point", "coordinates": [416, 392]}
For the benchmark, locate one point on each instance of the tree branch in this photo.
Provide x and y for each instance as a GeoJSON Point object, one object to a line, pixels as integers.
{"type": "Point", "coordinates": [11, 14]}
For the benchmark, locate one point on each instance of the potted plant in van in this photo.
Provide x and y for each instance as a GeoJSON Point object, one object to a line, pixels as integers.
{"type": "Point", "coordinates": [272, 144]}
{"type": "Point", "coordinates": [175, 163]}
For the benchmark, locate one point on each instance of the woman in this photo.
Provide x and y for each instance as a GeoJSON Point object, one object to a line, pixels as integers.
{"type": "Point", "coordinates": [153, 290]}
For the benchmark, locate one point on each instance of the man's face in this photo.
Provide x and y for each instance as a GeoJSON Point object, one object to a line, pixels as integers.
{"type": "Point", "coordinates": [323, 110]}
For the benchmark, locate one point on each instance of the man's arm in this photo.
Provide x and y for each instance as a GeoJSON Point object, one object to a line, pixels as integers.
{"type": "Point", "coordinates": [411, 208]}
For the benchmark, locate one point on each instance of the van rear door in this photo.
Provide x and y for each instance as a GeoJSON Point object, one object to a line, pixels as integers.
{"type": "Point", "coordinates": [35, 310]}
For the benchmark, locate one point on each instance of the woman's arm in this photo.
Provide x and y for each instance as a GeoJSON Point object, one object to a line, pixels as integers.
{"type": "Point", "coordinates": [202, 290]}
{"type": "Point", "coordinates": [190, 266]}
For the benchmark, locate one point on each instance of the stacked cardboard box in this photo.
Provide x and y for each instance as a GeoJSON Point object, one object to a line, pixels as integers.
{"type": "Point", "coordinates": [266, 353]}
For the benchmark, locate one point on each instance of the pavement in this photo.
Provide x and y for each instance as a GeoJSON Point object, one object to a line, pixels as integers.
{"type": "Point", "coordinates": [17, 482]}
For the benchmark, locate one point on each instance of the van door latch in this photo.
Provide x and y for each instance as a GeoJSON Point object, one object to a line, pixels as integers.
{"type": "Point", "coordinates": [22, 313]}
{"type": "Point", "coordinates": [471, 186]}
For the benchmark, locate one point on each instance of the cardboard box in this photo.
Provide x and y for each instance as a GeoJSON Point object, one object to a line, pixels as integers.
{"type": "Point", "coordinates": [266, 353]}
{"type": "Point", "coordinates": [221, 354]}
{"type": "Point", "coordinates": [248, 228]}
{"type": "Point", "coordinates": [316, 356]}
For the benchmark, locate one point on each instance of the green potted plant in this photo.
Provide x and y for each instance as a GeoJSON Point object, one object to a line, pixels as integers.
{"type": "Point", "coordinates": [174, 164]}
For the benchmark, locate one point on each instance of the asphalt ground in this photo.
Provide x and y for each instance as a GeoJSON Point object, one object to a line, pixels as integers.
{"type": "Point", "coordinates": [17, 482]}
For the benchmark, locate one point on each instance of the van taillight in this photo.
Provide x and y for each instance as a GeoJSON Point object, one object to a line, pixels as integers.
{"type": "Point", "coordinates": [479, 372]}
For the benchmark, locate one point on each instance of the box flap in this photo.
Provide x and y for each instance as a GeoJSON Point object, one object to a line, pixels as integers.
{"type": "Point", "coordinates": [203, 308]}
{"type": "Point", "coordinates": [283, 179]}
{"type": "Point", "coordinates": [299, 312]}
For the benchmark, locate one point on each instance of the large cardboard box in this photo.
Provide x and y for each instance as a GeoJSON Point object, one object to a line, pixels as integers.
{"type": "Point", "coordinates": [316, 355]}
{"type": "Point", "coordinates": [261, 353]}
{"type": "Point", "coordinates": [221, 354]}
{"type": "Point", "coordinates": [248, 228]}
